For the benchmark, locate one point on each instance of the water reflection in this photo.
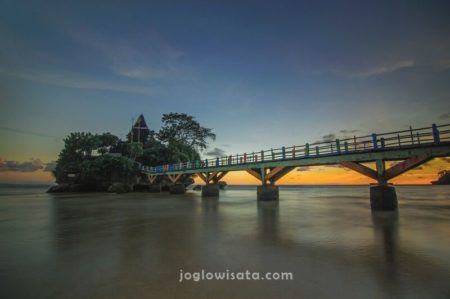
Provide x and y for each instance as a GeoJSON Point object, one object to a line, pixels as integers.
{"type": "Point", "coordinates": [210, 205]}
{"type": "Point", "coordinates": [268, 221]}
{"type": "Point", "coordinates": [386, 233]}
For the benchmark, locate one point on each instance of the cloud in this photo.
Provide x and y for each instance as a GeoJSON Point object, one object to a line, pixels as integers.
{"type": "Point", "coordinates": [50, 166]}
{"type": "Point", "coordinates": [74, 80]}
{"type": "Point", "coordinates": [28, 132]}
{"type": "Point", "coordinates": [216, 152]}
{"type": "Point", "coordinates": [347, 132]}
{"type": "Point", "coordinates": [131, 56]}
{"type": "Point", "coordinates": [28, 166]}
{"type": "Point", "coordinates": [338, 166]}
{"type": "Point", "coordinates": [386, 68]}
{"type": "Point", "coordinates": [370, 71]}
{"type": "Point", "coordinates": [329, 137]}
{"type": "Point", "coordinates": [445, 116]}
{"type": "Point", "coordinates": [140, 72]}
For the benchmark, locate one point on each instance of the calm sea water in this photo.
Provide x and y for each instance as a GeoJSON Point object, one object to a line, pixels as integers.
{"type": "Point", "coordinates": [134, 245]}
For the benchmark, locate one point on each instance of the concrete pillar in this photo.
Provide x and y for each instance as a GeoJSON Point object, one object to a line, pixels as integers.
{"type": "Point", "coordinates": [383, 197]}
{"type": "Point", "coordinates": [210, 190]}
{"type": "Point", "coordinates": [267, 192]}
{"type": "Point", "coordinates": [154, 188]}
{"type": "Point", "coordinates": [177, 189]}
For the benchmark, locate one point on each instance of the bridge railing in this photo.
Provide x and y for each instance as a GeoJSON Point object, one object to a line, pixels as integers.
{"type": "Point", "coordinates": [398, 139]}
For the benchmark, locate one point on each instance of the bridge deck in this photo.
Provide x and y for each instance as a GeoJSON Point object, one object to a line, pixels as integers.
{"type": "Point", "coordinates": [399, 145]}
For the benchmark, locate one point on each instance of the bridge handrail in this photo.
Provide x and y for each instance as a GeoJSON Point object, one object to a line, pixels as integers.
{"type": "Point", "coordinates": [397, 139]}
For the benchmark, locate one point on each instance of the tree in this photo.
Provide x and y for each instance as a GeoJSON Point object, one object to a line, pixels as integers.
{"type": "Point", "coordinates": [184, 129]}
{"type": "Point", "coordinates": [76, 157]}
{"type": "Point", "coordinates": [135, 149]}
{"type": "Point", "coordinates": [181, 152]}
{"type": "Point", "coordinates": [100, 172]}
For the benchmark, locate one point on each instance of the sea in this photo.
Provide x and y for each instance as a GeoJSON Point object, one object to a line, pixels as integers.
{"type": "Point", "coordinates": [315, 242]}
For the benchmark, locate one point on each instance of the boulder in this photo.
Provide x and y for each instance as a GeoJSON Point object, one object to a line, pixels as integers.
{"type": "Point", "coordinates": [59, 188]}
{"type": "Point", "coordinates": [76, 188]}
{"type": "Point", "coordinates": [141, 187]}
{"type": "Point", "coordinates": [119, 188]}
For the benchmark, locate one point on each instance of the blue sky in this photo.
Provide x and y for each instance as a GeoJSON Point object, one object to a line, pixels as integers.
{"type": "Point", "coordinates": [261, 73]}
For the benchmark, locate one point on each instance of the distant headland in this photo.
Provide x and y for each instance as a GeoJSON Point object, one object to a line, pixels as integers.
{"type": "Point", "coordinates": [443, 179]}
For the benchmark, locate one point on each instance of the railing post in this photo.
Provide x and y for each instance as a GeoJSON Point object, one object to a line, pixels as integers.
{"type": "Point", "coordinates": [307, 150]}
{"type": "Point", "coordinates": [399, 141]}
{"type": "Point", "coordinates": [412, 136]}
{"type": "Point", "coordinates": [245, 157]}
{"type": "Point", "coordinates": [436, 137]}
{"type": "Point", "coordinates": [283, 152]}
{"type": "Point", "coordinates": [273, 155]}
{"type": "Point", "coordinates": [338, 146]}
{"type": "Point", "coordinates": [262, 156]}
{"type": "Point", "coordinates": [382, 142]}
{"type": "Point", "coordinates": [317, 150]}
{"type": "Point", "coordinates": [418, 138]}
{"type": "Point", "coordinates": [346, 146]}
{"type": "Point", "coordinates": [217, 162]}
{"type": "Point", "coordinates": [293, 152]}
{"type": "Point", "coordinates": [374, 141]}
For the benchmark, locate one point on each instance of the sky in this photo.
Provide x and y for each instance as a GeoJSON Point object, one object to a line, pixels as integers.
{"type": "Point", "coordinates": [262, 74]}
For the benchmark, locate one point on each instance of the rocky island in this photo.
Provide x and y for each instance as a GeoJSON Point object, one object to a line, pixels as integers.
{"type": "Point", "coordinates": [102, 162]}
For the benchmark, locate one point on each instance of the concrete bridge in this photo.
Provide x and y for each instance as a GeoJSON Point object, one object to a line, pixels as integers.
{"type": "Point", "coordinates": [412, 147]}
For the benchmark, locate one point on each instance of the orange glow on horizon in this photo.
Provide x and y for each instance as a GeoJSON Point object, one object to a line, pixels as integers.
{"type": "Point", "coordinates": [319, 175]}
{"type": "Point", "coordinates": [36, 177]}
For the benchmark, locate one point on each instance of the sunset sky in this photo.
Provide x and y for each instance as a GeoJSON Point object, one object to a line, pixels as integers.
{"type": "Point", "coordinates": [262, 74]}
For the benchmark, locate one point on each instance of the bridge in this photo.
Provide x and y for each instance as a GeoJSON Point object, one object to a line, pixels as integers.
{"type": "Point", "coordinates": [413, 147]}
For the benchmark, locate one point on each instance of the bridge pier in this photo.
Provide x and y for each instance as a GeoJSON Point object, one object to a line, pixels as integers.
{"type": "Point", "coordinates": [267, 193]}
{"type": "Point", "coordinates": [383, 198]}
{"type": "Point", "coordinates": [268, 176]}
{"type": "Point", "coordinates": [210, 190]}
{"type": "Point", "coordinates": [154, 188]}
{"type": "Point", "coordinates": [211, 179]}
{"type": "Point", "coordinates": [177, 189]}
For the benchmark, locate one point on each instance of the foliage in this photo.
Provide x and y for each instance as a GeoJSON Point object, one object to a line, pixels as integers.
{"type": "Point", "coordinates": [100, 159]}
{"type": "Point", "coordinates": [184, 129]}
{"type": "Point", "coordinates": [106, 169]}
{"type": "Point", "coordinates": [106, 142]}
{"type": "Point", "coordinates": [135, 150]}
{"type": "Point", "coordinates": [77, 155]}
{"type": "Point", "coordinates": [181, 152]}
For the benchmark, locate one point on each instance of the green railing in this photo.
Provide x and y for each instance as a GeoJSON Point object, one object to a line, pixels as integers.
{"type": "Point", "coordinates": [374, 142]}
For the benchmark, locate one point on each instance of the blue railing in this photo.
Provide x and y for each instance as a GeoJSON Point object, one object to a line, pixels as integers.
{"type": "Point", "coordinates": [399, 139]}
